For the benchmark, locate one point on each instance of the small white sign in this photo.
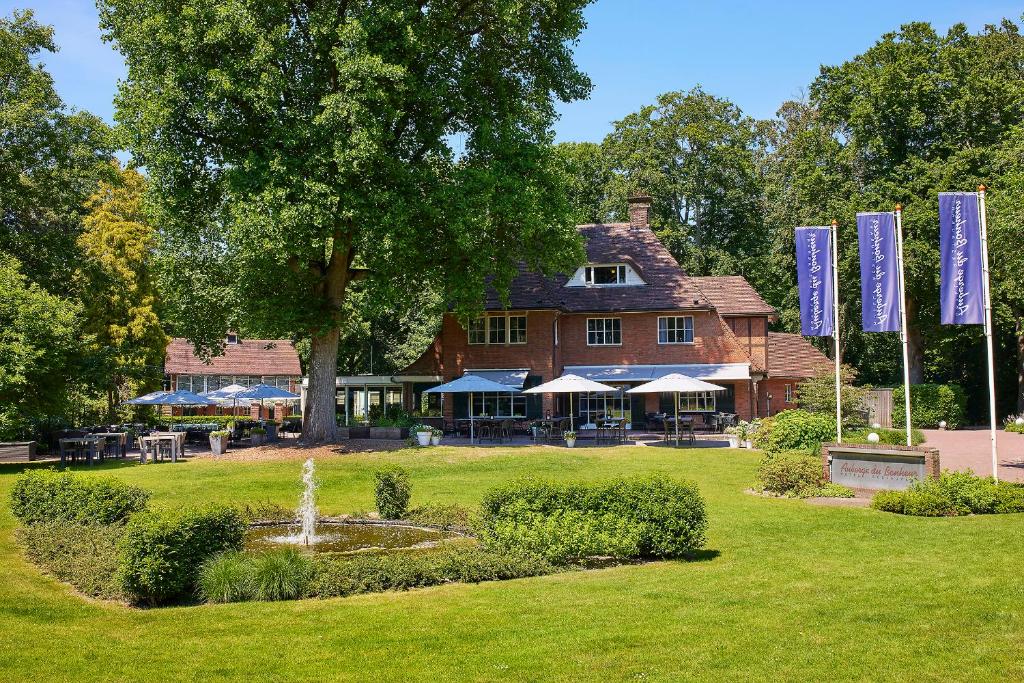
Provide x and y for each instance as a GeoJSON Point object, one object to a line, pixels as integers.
{"type": "Point", "coordinates": [874, 469]}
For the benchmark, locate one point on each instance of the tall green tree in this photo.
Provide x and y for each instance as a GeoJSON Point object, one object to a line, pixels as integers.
{"type": "Point", "coordinates": [50, 158]}
{"type": "Point", "coordinates": [121, 306]}
{"type": "Point", "coordinates": [305, 145]}
{"type": "Point", "coordinates": [588, 177]}
{"type": "Point", "coordinates": [695, 154]}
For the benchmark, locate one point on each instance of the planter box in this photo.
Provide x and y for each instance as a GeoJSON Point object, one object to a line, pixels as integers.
{"type": "Point", "coordinates": [257, 439]}
{"type": "Point", "coordinates": [271, 432]}
{"type": "Point", "coordinates": [385, 433]}
{"type": "Point", "coordinates": [15, 451]}
{"type": "Point", "coordinates": [358, 432]}
{"type": "Point", "coordinates": [218, 445]}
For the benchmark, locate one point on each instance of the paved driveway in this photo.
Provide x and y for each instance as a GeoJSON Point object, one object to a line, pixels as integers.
{"type": "Point", "coordinates": [970, 449]}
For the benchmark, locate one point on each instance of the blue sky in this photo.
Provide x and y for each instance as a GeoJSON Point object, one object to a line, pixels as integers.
{"type": "Point", "coordinates": [758, 54]}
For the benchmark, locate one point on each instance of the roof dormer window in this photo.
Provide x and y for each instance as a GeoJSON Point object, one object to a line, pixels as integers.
{"type": "Point", "coordinates": [232, 338]}
{"type": "Point", "coordinates": [614, 274]}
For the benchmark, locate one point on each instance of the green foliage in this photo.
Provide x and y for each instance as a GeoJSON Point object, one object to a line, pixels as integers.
{"type": "Point", "coordinates": [161, 552]}
{"type": "Point", "coordinates": [953, 494]}
{"type": "Point", "coordinates": [281, 574]}
{"type": "Point", "coordinates": [443, 516]}
{"type": "Point", "coordinates": [929, 405]}
{"type": "Point", "coordinates": [222, 420]}
{"type": "Point", "coordinates": [371, 573]}
{"type": "Point", "coordinates": [795, 430]}
{"type": "Point", "coordinates": [392, 491]}
{"type": "Point", "coordinates": [650, 516]}
{"type": "Point", "coordinates": [891, 437]}
{"type": "Point", "coordinates": [84, 555]}
{"type": "Point", "coordinates": [39, 496]}
{"type": "Point", "coordinates": [587, 179]}
{"type": "Point", "coordinates": [790, 473]}
{"type": "Point", "coordinates": [226, 578]}
{"type": "Point", "coordinates": [818, 394]}
{"type": "Point", "coordinates": [1010, 424]}
{"type": "Point", "coordinates": [276, 187]}
{"type": "Point", "coordinates": [393, 416]}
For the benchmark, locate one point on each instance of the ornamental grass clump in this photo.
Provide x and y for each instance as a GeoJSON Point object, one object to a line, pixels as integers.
{"type": "Point", "coordinates": [953, 494]}
{"type": "Point", "coordinates": [638, 517]}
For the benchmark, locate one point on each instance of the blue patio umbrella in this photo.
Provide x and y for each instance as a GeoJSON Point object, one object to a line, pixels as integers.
{"type": "Point", "coordinates": [170, 398]}
{"type": "Point", "coordinates": [472, 384]}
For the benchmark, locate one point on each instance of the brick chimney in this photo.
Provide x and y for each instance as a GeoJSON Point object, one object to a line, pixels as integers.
{"type": "Point", "coordinates": [639, 210]}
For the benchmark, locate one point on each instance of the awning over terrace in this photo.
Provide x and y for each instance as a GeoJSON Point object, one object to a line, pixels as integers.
{"type": "Point", "coordinates": [513, 378]}
{"type": "Point", "coordinates": [646, 373]}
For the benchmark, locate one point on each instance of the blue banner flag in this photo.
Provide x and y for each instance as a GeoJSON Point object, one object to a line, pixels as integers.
{"type": "Point", "coordinates": [879, 274]}
{"type": "Point", "coordinates": [961, 291]}
{"type": "Point", "coordinates": [815, 278]}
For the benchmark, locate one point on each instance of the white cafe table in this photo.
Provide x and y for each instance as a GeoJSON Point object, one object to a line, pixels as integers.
{"type": "Point", "coordinates": [153, 441]}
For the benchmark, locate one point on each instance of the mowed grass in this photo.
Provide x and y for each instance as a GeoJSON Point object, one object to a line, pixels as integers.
{"type": "Point", "coordinates": [790, 592]}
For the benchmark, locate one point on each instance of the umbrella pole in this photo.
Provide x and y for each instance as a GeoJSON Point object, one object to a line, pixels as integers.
{"type": "Point", "coordinates": [677, 419]}
{"type": "Point", "coordinates": [572, 428]}
{"type": "Point", "coordinates": [471, 418]}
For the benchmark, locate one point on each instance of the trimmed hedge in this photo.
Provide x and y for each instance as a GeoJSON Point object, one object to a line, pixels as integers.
{"type": "Point", "coordinates": [52, 496]}
{"type": "Point", "coordinates": [891, 437]}
{"type": "Point", "coordinates": [929, 405]}
{"type": "Point", "coordinates": [951, 495]}
{"type": "Point", "coordinates": [84, 555]}
{"type": "Point", "coordinates": [798, 475]}
{"type": "Point", "coordinates": [392, 491]}
{"type": "Point", "coordinates": [161, 552]}
{"type": "Point", "coordinates": [650, 516]}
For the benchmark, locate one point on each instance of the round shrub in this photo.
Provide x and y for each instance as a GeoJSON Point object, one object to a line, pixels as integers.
{"type": "Point", "coordinates": [161, 552]}
{"type": "Point", "coordinates": [790, 473]}
{"type": "Point", "coordinates": [930, 404]}
{"type": "Point", "coordinates": [52, 496]}
{"type": "Point", "coordinates": [392, 491]}
{"type": "Point", "coordinates": [795, 430]}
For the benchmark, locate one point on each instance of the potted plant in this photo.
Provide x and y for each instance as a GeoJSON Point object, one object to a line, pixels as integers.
{"type": "Point", "coordinates": [435, 436]}
{"type": "Point", "coordinates": [423, 434]}
{"type": "Point", "coordinates": [271, 427]}
{"type": "Point", "coordinates": [570, 438]}
{"type": "Point", "coordinates": [535, 429]}
{"type": "Point", "coordinates": [257, 436]}
{"type": "Point", "coordinates": [733, 435]}
{"type": "Point", "coordinates": [219, 442]}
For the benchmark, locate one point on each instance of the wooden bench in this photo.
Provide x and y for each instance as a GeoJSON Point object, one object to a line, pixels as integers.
{"type": "Point", "coordinates": [17, 451]}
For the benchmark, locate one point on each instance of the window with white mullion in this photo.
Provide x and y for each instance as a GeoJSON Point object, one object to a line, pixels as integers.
{"type": "Point", "coordinates": [604, 331]}
{"type": "Point", "coordinates": [675, 329]}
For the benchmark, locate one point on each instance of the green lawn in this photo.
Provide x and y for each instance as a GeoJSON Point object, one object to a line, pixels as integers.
{"type": "Point", "coordinates": [794, 592]}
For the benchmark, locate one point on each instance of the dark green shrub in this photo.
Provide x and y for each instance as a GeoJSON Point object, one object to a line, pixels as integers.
{"type": "Point", "coordinates": [953, 493]}
{"type": "Point", "coordinates": [651, 516]}
{"type": "Point", "coordinates": [52, 496]}
{"type": "Point", "coordinates": [161, 552]}
{"type": "Point", "coordinates": [392, 491]}
{"type": "Point", "coordinates": [929, 405]}
{"type": "Point", "coordinates": [367, 573]}
{"type": "Point", "coordinates": [830, 489]}
{"type": "Point", "coordinates": [84, 555]}
{"type": "Point", "coordinates": [795, 430]}
{"type": "Point", "coordinates": [789, 474]}
{"type": "Point", "coordinates": [451, 516]}
{"type": "Point", "coordinates": [281, 574]}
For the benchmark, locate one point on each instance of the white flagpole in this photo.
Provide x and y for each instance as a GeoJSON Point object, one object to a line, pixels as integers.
{"type": "Point", "coordinates": [903, 320]}
{"type": "Point", "coordinates": [835, 328]}
{"type": "Point", "coordinates": [988, 330]}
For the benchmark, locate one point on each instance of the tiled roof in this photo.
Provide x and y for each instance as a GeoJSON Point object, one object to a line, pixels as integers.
{"type": "Point", "coordinates": [667, 288]}
{"type": "Point", "coordinates": [733, 295]}
{"type": "Point", "coordinates": [790, 355]}
{"type": "Point", "coordinates": [247, 357]}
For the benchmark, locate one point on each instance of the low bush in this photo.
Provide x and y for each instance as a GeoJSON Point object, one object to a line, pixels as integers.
{"type": "Point", "coordinates": [369, 573]}
{"type": "Point", "coordinates": [451, 516]}
{"type": "Point", "coordinates": [52, 496]}
{"type": "Point", "coordinates": [796, 474]}
{"type": "Point", "coordinates": [392, 491]}
{"type": "Point", "coordinates": [84, 555]}
{"type": "Point", "coordinates": [1014, 423]}
{"type": "Point", "coordinates": [795, 430]}
{"type": "Point", "coordinates": [225, 578]}
{"type": "Point", "coordinates": [930, 404]}
{"type": "Point", "coordinates": [281, 574]}
{"type": "Point", "coordinates": [161, 552]}
{"type": "Point", "coordinates": [651, 516]}
{"type": "Point", "coordinates": [953, 494]}
{"type": "Point", "coordinates": [890, 437]}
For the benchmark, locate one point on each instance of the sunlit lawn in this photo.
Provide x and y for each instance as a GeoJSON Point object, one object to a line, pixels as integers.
{"type": "Point", "coordinates": [794, 592]}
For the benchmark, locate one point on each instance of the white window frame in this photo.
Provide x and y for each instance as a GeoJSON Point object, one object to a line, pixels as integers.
{"type": "Point", "coordinates": [607, 328]}
{"type": "Point", "coordinates": [620, 274]}
{"type": "Point", "coordinates": [508, 329]}
{"type": "Point", "coordinates": [506, 337]}
{"type": "Point", "coordinates": [469, 331]}
{"type": "Point", "coordinates": [687, 319]}
{"type": "Point", "coordinates": [789, 393]}
{"type": "Point", "coordinates": [492, 327]}
{"type": "Point", "coordinates": [697, 402]}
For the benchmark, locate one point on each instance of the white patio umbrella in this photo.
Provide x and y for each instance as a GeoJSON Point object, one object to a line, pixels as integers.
{"type": "Point", "coordinates": [571, 384]}
{"type": "Point", "coordinates": [472, 384]}
{"type": "Point", "coordinates": [675, 383]}
{"type": "Point", "coordinates": [227, 395]}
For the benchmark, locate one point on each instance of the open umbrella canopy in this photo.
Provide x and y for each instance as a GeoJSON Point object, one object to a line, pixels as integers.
{"type": "Point", "coordinates": [260, 392]}
{"type": "Point", "coordinates": [570, 384]}
{"type": "Point", "coordinates": [674, 383]}
{"type": "Point", "coordinates": [224, 393]}
{"type": "Point", "coordinates": [472, 384]}
{"type": "Point", "coordinates": [171, 398]}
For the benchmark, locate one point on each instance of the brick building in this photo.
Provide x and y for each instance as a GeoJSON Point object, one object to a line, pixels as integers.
{"type": "Point", "coordinates": [245, 362]}
{"type": "Point", "coordinates": [630, 315]}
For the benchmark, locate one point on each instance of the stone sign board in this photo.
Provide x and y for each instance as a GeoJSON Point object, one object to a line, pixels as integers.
{"type": "Point", "coordinates": [876, 466]}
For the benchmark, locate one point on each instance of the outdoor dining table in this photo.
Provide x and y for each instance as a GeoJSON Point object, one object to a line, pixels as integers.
{"type": "Point", "coordinates": [685, 427]}
{"type": "Point", "coordinates": [70, 444]}
{"type": "Point", "coordinates": [550, 426]}
{"type": "Point", "coordinates": [613, 430]}
{"type": "Point", "coordinates": [176, 440]}
{"type": "Point", "coordinates": [122, 442]}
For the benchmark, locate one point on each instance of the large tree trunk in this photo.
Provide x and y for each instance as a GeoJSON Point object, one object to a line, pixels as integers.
{"type": "Point", "coordinates": [915, 345]}
{"type": "Point", "coordinates": [318, 421]}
